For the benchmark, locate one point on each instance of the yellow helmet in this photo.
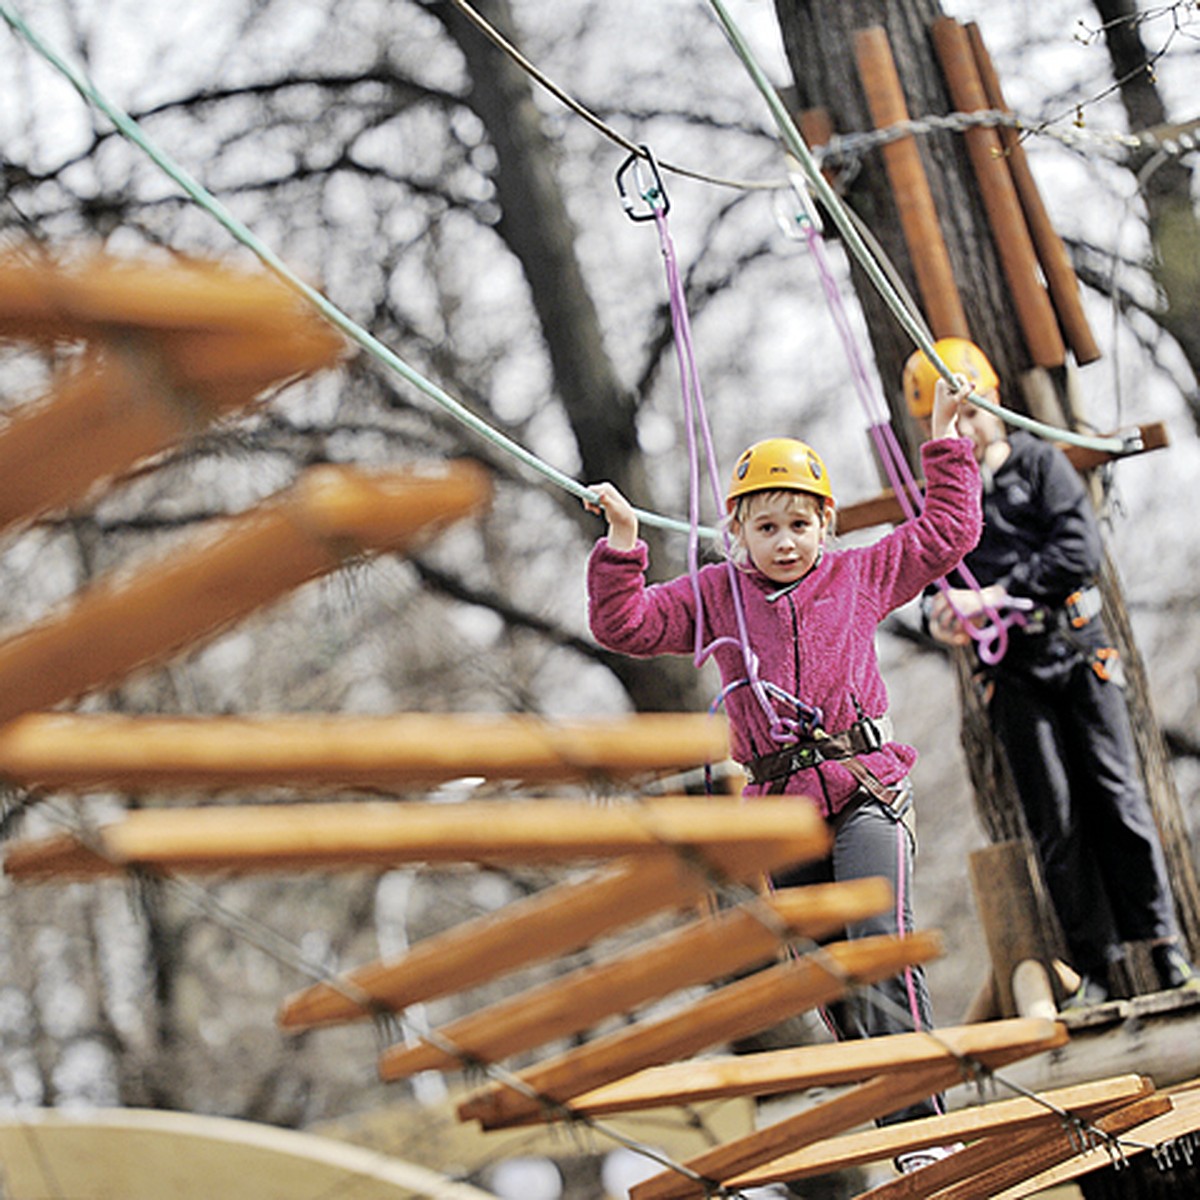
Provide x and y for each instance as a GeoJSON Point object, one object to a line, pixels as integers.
{"type": "Point", "coordinates": [961, 356]}
{"type": "Point", "coordinates": [778, 463]}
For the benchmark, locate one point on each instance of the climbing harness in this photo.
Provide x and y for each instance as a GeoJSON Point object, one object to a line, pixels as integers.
{"type": "Point", "coordinates": [863, 737]}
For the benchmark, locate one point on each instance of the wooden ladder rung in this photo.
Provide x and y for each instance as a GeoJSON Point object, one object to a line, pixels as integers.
{"type": "Point", "coordinates": [863, 1102]}
{"type": "Point", "coordinates": [555, 921]}
{"type": "Point", "coordinates": [772, 1072]}
{"type": "Point", "coordinates": [122, 623]}
{"type": "Point", "coordinates": [979, 1123]}
{"type": "Point", "coordinates": [737, 1010]}
{"type": "Point", "coordinates": [704, 950]}
{"type": "Point", "coordinates": [1180, 1120]}
{"type": "Point", "coordinates": [249, 838]}
{"type": "Point", "coordinates": [41, 298]}
{"type": "Point", "coordinates": [867, 1101]}
{"type": "Point", "coordinates": [170, 349]}
{"type": "Point", "coordinates": [1040, 1150]}
{"type": "Point", "coordinates": [111, 751]}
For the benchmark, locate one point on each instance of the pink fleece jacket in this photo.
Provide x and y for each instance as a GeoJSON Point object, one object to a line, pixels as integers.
{"type": "Point", "coordinates": [816, 640]}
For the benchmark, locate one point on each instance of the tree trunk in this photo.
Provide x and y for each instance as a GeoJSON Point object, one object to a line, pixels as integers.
{"type": "Point", "coordinates": [1166, 185]}
{"type": "Point", "coordinates": [537, 228]}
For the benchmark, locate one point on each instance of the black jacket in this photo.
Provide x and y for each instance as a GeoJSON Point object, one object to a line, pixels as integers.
{"type": "Point", "coordinates": [1040, 536]}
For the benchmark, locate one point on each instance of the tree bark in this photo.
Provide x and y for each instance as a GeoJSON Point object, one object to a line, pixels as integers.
{"type": "Point", "coordinates": [1166, 186]}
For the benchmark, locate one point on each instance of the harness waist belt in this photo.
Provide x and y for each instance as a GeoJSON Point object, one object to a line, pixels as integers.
{"type": "Point", "coordinates": [862, 737]}
{"type": "Point", "coordinates": [1080, 608]}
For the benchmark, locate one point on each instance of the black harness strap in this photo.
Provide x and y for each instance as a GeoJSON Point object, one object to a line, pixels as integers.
{"type": "Point", "coordinates": [862, 737]}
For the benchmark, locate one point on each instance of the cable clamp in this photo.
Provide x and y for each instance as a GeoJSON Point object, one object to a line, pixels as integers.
{"type": "Point", "coordinates": [1131, 441]}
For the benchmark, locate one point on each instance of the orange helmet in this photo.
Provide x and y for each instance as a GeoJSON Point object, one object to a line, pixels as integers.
{"type": "Point", "coordinates": [961, 356]}
{"type": "Point", "coordinates": [778, 463]}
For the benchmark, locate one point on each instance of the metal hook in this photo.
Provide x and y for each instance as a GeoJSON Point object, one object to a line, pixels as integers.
{"type": "Point", "coordinates": [651, 194]}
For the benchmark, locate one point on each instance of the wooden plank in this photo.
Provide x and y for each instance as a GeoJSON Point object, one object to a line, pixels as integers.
{"type": "Point", "coordinates": [103, 751]}
{"type": "Point", "coordinates": [172, 349]}
{"type": "Point", "coordinates": [863, 1102]}
{"type": "Point", "coordinates": [380, 833]}
{"type": "Point", "coordinates": [115, 410]}
{"type": "Point", "coordinates": [125, 622]}
{"type": "Point", "coordinates": [968, 1125]}
{"type": "Point", "coordinates": [1057, 1144]}
{"type": "Point", "coordinates": [1051, 253]}
{"type": "Point", "coordinates": [95, 425]}
{"type": "Point", "coordinates": [97, 295]}
{"type": "Point", "coordinates": [552, 922]}
{"type": "Point", "coordinates": [734, 1011]}
{"type": "Point", "coordinates": [797, 1068]}
{"type": "Point", "coordinates": [1182, 1120]}
{"type": "Point", "coordinates": [708, 949]}
{"type": "Point", "coordinates": [1013, 242]}
{"type": "Point", "coordinates": [978, 1159]}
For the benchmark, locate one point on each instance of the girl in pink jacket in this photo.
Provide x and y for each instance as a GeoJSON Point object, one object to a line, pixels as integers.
{"type": "Point", "coordinates": [807, 707]}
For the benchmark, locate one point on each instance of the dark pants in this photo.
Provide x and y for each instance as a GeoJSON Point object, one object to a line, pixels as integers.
{"type": "Point", "coordinates": [871, 840]}
{"type": "Point", "coordinates": [1068, 741]}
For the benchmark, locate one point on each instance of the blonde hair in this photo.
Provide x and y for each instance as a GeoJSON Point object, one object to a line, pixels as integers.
{"type": "Point", "coordinates": [798, 501]}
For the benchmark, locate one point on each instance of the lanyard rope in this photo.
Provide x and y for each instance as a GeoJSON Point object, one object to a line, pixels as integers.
{"type": "Point", "coordinates": [991, 638]}
{"type": "Point", "coordinates": [782, 729]}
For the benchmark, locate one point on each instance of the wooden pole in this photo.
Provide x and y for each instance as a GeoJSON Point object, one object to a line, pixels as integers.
{"type": "Point", "coordinates": [322, 836]}
{"type": "Point", "coordinates": [110, 751]}
{"type": "Point", "coordinates": [735, 1011]}
{"type": "Point", "coordinates": [1051, 253]}
{"type": "Point", "coordinates": [914, 201]}
{"type": "Point", "coordinates": [772, 1072]}
{"type": "Point", "coordinates": [708, 949]}
{"type": "Point", "coordinates": [552, 922]}
{"type": "Point", "coordinates": [1013, 243]}
{"type": "Point", "coordinates": [122, 623]}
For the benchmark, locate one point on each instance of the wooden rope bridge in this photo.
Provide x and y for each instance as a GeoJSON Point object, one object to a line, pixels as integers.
{"type": "Point", "coordinates": [167, 350]}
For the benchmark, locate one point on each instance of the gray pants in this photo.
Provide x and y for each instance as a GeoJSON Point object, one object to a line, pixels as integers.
{"type": "Point", "coordinates": [872, 839]}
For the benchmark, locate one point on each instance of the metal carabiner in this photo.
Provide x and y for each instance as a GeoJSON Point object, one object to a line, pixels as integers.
{"type": "Point", "coordinates": [796, 221]}
{"type": "Point", "coordinates": [652, 194]}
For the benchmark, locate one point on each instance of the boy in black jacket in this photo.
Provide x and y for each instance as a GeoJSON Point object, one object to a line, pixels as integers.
{"type": "Point", "coordinates": [1057, 701]}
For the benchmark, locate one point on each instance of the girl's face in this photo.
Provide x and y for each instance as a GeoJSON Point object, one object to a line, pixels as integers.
{"type": "Point", "coordinates": [783, 533]}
